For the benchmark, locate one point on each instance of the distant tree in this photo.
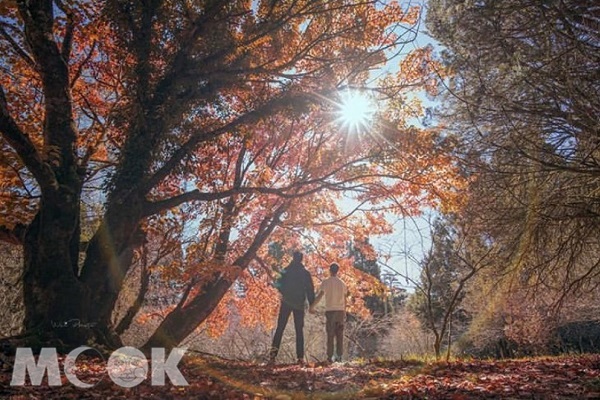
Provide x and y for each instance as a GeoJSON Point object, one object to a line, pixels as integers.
{"type": "Point", "coordinates": [363, 257]}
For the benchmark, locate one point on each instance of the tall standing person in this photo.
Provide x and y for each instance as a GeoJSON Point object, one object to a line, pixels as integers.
{"type": "Point", "coordinates": [335, 291]}
{"type": "Point", "coordinates": [296, 287]}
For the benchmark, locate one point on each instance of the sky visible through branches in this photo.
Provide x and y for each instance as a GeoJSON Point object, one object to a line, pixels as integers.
{"type": "Point", "coordinates": [402, 250]}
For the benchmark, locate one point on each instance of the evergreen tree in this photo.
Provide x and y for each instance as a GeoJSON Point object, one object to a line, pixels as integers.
{"type": "Point", "coordinates": [364, 259]}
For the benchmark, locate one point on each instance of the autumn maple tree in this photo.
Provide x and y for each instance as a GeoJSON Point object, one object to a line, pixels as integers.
{"type": "Point", "coordinates": [211, 121]}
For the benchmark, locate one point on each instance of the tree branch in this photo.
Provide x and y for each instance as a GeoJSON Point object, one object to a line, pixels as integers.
{"type": "Point", "coordinates": [77, 73]}
{"type": "Point", "coordinates": [269, 108]}
{"type": "Point", "coordinates": [287, 192]}
{"type": "Point", "coordinates": [59, 128]}
{"type": "Point", "coordinates": [24, 147]}
{"type": "Point", "coordinates": [265, 229]}
{"type": "Point", "coordinates": [67, 43]}
{"type": "Point", "coordinates": [18, 49]}
{"type": "Point", "coordinates": [152, 208]}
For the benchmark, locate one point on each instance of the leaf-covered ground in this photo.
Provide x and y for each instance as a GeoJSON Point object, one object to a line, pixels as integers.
{"type": "Point", "coordinates": [567, 377]}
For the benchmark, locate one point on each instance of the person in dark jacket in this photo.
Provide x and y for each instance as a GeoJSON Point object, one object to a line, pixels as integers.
{"type": "Point", "coordinates": [296, 286]}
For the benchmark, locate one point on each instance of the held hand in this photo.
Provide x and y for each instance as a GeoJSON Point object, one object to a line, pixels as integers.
{"type": "Point", "coordinates": [311, 310]}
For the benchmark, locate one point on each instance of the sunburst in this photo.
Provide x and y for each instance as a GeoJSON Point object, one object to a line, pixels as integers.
{"type": "Point", "coordinates": [355, 111]}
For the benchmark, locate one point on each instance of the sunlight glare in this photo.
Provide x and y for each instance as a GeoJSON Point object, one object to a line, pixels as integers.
{"type": "Point", "coordinates": [355, 111]}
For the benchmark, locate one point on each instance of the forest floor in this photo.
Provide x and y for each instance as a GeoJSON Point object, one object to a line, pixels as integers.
{"type": "Point", "coordinates": [564, 377]}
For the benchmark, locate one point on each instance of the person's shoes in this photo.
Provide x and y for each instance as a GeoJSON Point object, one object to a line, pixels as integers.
{"type": "Point", "coordinates": [300, 361]}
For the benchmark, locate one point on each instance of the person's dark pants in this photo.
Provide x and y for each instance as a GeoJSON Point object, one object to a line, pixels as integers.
{"type": "Point", "coordinates": [334, 325]}
{"type": "Point", "coordinates": [284, 314]}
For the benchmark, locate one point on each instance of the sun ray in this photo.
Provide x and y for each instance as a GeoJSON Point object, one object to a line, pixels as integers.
{"type": "Point", "coordinates": [355, 111]}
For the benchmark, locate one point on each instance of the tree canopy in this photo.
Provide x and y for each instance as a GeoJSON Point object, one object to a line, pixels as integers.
{"type": "Point", "coordinates": [182, 137]}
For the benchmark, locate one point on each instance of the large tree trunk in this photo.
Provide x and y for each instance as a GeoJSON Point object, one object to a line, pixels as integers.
{"type": "Point", "coordinates": [56, 302]}
{"type": "Point", "coordinates": [60, 302]}
{"type": "Point", "coordinates": [108, 258]}
{"type": "Point", "coordinates": [61, 305]}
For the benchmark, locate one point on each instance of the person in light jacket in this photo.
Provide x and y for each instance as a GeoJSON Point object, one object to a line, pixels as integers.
{"type": "Point", "coordinates": [335, 291]}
